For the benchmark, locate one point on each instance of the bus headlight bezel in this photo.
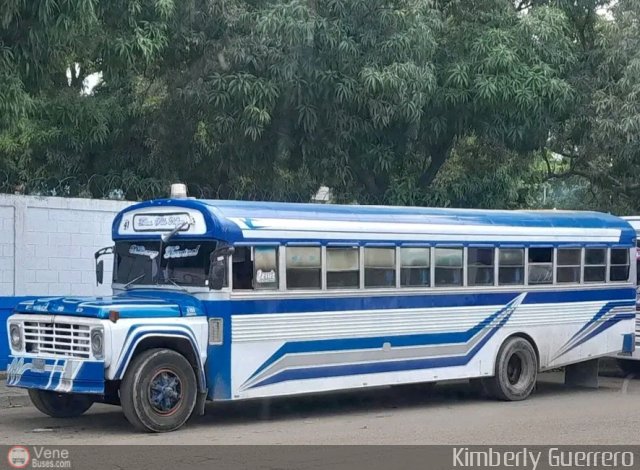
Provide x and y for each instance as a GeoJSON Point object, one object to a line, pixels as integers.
{"type": "Point", "coordinates": [97, 342]}
{"type": "Point", "coordinates": [16, 337]}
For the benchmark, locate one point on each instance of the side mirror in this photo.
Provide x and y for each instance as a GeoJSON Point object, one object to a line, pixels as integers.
{"type": "Point", "coordinates": [218, 267]}
{"type": "Point", "coordinates": [99, 272]}
{"type": "Point", "coordinates": [100, 263]}
{"type": "Point", "coordinates": [217, 274]}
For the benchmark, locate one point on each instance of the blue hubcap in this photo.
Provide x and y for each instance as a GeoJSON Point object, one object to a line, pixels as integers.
{"type": "Point", "coordinates": [165, 392]}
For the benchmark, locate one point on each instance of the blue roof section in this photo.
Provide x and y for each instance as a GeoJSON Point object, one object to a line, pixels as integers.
{"type": "Point", "coordinates": [236, 221]}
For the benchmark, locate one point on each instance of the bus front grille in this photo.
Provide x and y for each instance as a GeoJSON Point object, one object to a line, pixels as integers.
{"type": "Point", "coordinates": [57, 339]}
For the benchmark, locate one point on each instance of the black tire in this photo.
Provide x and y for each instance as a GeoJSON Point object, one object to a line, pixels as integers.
{"type": "Point", "coordinates": [515, 373]}
{"type": "Point", "coordinates": [629, 366]}
{"type": "Point", "coordinates": [158, 392]}
{"type": "Point", "coordinates": [60, 405]}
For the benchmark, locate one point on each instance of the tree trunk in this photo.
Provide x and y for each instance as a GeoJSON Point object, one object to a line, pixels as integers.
{"type": "Point", "coordinates": [439, 156]}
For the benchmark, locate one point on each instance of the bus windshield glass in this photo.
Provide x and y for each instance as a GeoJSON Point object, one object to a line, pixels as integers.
{"type": "Point", "coordinates": [183, 263]}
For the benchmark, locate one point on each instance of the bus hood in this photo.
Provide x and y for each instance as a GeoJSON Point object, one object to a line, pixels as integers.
{"type": "Point", "coordinates": [133, 304]}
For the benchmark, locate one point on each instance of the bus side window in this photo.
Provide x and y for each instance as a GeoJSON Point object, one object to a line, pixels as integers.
{"type": "Point", "coordinates": [569, 261]}
{"type": "Point", "coordinates": [379, 267]}
{"type": "Point", "coordinates": [265, 272]}
{"type": "Point", "coordinates": [540, 265]}
{"type": "Point", "coordinates": [415, 267]}
{"type": "Point", "coordinates": [448, 266]}
{"type": "Point", "coordinates": [343, 268]}
{"type": "Point", "coordinates": [304, 267]}
{"type": "Point", "coordinates": [619, 261]}
{"type": "Point", "coordinates": [480, 271]}
{"type": "Point", "coordinates": [242, 268]}
{"type": "Point", "coordinates": [595, 264]}
{"type": "Point", "coordinates": [511, 266]}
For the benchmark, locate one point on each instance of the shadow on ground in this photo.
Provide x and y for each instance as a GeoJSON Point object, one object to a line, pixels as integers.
{"type": "Point", "coordinates": [381, 401]}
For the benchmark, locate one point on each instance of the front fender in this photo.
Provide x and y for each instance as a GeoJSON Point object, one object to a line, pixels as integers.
{"type": "Point", "coordinates": [127, 336]}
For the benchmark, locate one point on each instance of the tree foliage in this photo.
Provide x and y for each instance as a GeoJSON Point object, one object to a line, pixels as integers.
{"type": "Point", "coordinates": [390, 101]}
{"type": "Point", "coordinates": [600, 141]}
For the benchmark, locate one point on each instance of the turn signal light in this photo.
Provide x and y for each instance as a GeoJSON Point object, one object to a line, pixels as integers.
{"type": "Point", "coordinates": [114, 315]}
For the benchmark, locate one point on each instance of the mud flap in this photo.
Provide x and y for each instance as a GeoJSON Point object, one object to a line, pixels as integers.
{"type": "Point", "coordinates": [583, 374]}
{"type": "Point", "coordinates": [201, 401]}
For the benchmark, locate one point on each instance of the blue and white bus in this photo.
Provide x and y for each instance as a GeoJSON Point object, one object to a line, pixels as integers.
{"type": "Point", "coordinates": [631, 363]}
{"type": "Point", "coordinates": [229, 300]}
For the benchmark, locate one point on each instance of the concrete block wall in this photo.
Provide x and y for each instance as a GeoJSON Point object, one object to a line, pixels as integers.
{"type": "Point", "coordinates": [46, 249]}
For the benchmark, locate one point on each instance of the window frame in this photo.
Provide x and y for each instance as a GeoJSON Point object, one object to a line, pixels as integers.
{"type": "Point", "coordinates": [463, 252]}
{"type": "Point", "coordinates": [284, 268]}
{"type": "Point", "coordinates": [558, 266]}
{"type": "Point", "coordinates": [610, 265]}
{"type": "Point", "coordinates": [425, 246]}
{"type": "Point", "coordinates": [551, 263]}
{"type": "Point", "coordinates": [432, 250]}
{"type": "Point", "coordinates": [524, 266]}
{"type": "Point", "coordinates": [605, 265]}
{"type": "Point", "coordinates": [354, 246]}
{"type": "Point", "coordinates": [252, 247]}
{"type": "Point", "coordinates": [278, 267]}
{"type": "Point", "coordinates": [374, 246]}
{"type": "Point", "coordinates": [494, 249]}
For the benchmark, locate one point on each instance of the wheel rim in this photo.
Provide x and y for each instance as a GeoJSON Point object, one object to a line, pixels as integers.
{"type": "Point", "coordinates": [165, 392]}
{"type": "Point", "coordinates": [514, 369]}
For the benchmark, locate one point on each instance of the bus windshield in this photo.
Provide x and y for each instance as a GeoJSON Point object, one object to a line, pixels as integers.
{"type": "Point", "coordinates": [184, 263]}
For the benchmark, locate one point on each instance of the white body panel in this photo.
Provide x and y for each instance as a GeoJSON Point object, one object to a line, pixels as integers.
{"type": "Point", "coordinates": [256, 338]}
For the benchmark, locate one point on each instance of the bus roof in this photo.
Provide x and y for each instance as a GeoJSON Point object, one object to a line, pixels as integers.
{"type": "Point", "coordinates": [271, 222]}
{"type": "Point", "coordinates": [634, 221]}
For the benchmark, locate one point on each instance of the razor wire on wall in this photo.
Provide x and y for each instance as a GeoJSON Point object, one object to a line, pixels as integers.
{"type": "Point", "coordinates": [133, 188]}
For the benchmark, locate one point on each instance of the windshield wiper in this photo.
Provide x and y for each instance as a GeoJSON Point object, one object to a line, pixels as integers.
{"type": "Point", "coordinates": [133, 280]}
{"type": "Point", "coordinates": [182, 288]}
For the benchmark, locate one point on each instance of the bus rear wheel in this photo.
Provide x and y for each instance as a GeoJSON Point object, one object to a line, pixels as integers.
{"type": "Point", "coordinates": [60, 405]}
{"type": "Point", "coordinates": [158, 391]}
{"type": "Point", "coordinates": [516, 371]}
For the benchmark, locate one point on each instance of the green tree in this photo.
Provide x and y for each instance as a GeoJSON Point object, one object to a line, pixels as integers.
{"type": "Point", "coordinates": [403, 101]}
{"type": "Point", "coordinates": [367, 96]}
{"type": "Point", "coordinates": [600, 139]}
{"type": "Point", "coordinates": [54, 132]}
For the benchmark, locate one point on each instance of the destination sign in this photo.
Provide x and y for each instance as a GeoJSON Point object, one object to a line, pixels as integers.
{"type": "Point", "coordinates": [160, 222]}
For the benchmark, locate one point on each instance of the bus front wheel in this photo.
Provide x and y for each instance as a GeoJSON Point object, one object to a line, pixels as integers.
{"type": "Point", "coordinates": [158, 392]}
{"type": "Point", "coordinates": [60, 405]}
{"type": "Point", "coordinates": [516, 371]}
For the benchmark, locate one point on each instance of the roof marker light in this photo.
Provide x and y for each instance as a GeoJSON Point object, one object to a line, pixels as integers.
{"type": "Point", "coordinates": [178, 191]}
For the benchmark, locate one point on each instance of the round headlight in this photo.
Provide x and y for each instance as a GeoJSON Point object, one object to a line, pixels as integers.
{"type": "Point", "coordinates": [97, 343]}
{"type": "Point", "coordinates": [15, 334]}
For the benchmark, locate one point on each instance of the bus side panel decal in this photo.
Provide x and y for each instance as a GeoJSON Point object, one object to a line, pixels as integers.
{"type": "Point", "coordinates": [288, 364]}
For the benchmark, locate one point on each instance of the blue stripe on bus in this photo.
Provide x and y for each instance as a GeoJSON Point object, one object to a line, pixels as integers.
{"type": "Point", "coordinates": [425, 339]}
{"type": "Point", "coordinates": [185, 332]}
{"type": "Point", "coordinates": [430, 300]}
{"type": "Point", "coordinates": [381, 367]}
{"type": "Point", "coordinates": [603, 326]}
{"type": "Point", "coordinates": [404, 365]}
